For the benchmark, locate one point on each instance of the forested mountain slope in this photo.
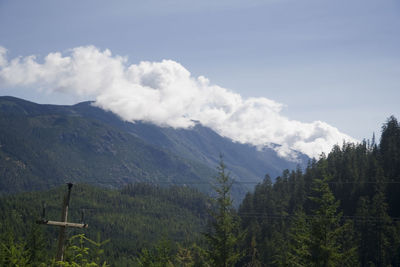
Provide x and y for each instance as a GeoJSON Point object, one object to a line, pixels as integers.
{"type": "Point", "coordinates": [45, 145]}
{"type": "Point", "coordinates": [42, 146]}
{"type": "Point", "coordinates": [247, 163]}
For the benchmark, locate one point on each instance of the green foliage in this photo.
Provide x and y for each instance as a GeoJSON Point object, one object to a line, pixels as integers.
{"type": "Point", "coordinates": [13, 254]}
{"type": "Point", "coordinates": [389, 152]}
{"type": "Point", "coordinates": [78, 252]}
{"type": "Point", "coordinates": [223, 237]}
{"type": "Point", "coordinates": [164, 254]}
{"type": "Point", "coordinates": [134, 218]}
{"type": "Point", "coordinates": [341, 211]}
{"type": "Point", "coordinates": [299, 241]}
{"type": "Point", "coordinates": [36, 245]}
{"type": "Point", "coordinates": [20, 251]}
{"type": "Point", "coordinates": [325, 228]}
{"type": "Point", "coordinates": [185, 258]}
{"type": "Point", "coordinates": [320, 238]}
{"type": "Point", "coordinates": [254, 261]}
{"type": "Point", "coordinates": [161, 256]}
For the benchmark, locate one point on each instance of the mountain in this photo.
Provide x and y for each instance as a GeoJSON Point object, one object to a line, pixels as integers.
{"type": "Point", "coordinates": [45, 145]}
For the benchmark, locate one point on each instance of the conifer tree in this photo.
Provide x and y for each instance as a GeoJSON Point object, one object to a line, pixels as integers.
{"type": "Point", "coordinates": [382, 227]}
{"type": "Point", "coordinates": [36, 245]}
{"type": "Point", "coordinates": [254, 261]}
{"type": "Point", "coordinates": [390, 148]}
{"type": "Point", "coordinates": [299, 240]}
{"type": "Point", "coordinates": [390, 161]}
{"type": "Point", "coordinates": [325, 226]}
{"type": "Point", "coordinates": [223, 236]}
{"type": "Point", "coordinates": [317, 239]}
{"type": "Point", "coordinates": [363, 228]}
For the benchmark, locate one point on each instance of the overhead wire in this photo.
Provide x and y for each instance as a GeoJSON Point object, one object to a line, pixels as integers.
{"type": "Point", "coordinates": [119, 185]}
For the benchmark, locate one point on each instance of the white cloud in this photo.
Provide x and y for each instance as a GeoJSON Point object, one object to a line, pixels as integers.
{"type": "Point", "coordinates": [165, 93]}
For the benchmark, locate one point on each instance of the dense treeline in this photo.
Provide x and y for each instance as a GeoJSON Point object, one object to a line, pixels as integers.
{"type": "Point", "coordinates": [133, 218]}
{"type": "Point", "coordinates": [341, 210]}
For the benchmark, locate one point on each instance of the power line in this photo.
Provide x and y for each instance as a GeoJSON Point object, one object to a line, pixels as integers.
{"type": "Point", "coordinates": [121, 184]}
{"type": "Point", "coordinates": [261, 215]}
{"type": "Point", "coordinates": [283, 216]}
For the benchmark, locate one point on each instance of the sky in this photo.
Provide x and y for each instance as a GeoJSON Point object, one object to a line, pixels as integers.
{"type": "Point", "coordinates": [305, 74]}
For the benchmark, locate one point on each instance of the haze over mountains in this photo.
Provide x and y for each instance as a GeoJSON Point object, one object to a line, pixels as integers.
{"type": "Point", "coordinates": [42, 146]}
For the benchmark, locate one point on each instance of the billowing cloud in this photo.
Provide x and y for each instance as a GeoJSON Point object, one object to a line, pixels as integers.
{"type": "Point", "coordinates": [166, 94]}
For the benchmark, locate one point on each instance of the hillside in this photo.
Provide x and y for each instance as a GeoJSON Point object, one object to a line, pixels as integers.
{"type": "Point", "coordinates": [133, 218]}
{"type": "Point", "coordinates": [45, 145]}
{"type": "Point", "coordinates": [246, 162]}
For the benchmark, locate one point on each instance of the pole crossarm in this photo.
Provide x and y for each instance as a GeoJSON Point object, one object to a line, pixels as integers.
{"type": "Point", "coordinates": [64, 224]}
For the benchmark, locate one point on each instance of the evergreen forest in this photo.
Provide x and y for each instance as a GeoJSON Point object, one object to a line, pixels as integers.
{"type": "Point", "coordinates": [340, 210]}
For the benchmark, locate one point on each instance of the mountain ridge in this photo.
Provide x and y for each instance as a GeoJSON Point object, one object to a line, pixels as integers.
{"type": "Point", "coordinates": [86, 143]}
{"type": "Point", "coordinates": [171, 139]}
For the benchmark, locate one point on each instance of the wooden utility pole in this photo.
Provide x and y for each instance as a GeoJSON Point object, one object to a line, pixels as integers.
{"type": "Point", "coordinates": [63, 224]}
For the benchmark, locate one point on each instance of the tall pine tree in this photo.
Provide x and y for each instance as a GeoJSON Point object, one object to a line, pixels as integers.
{"type": "Point", "coordinates": [317, 238]}
{"type": "Point", "coordinates": [223, 236]}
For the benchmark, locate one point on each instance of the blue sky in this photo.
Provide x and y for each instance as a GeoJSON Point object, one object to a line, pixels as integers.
{"type": "Point", "coordinates": [333, 61]}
